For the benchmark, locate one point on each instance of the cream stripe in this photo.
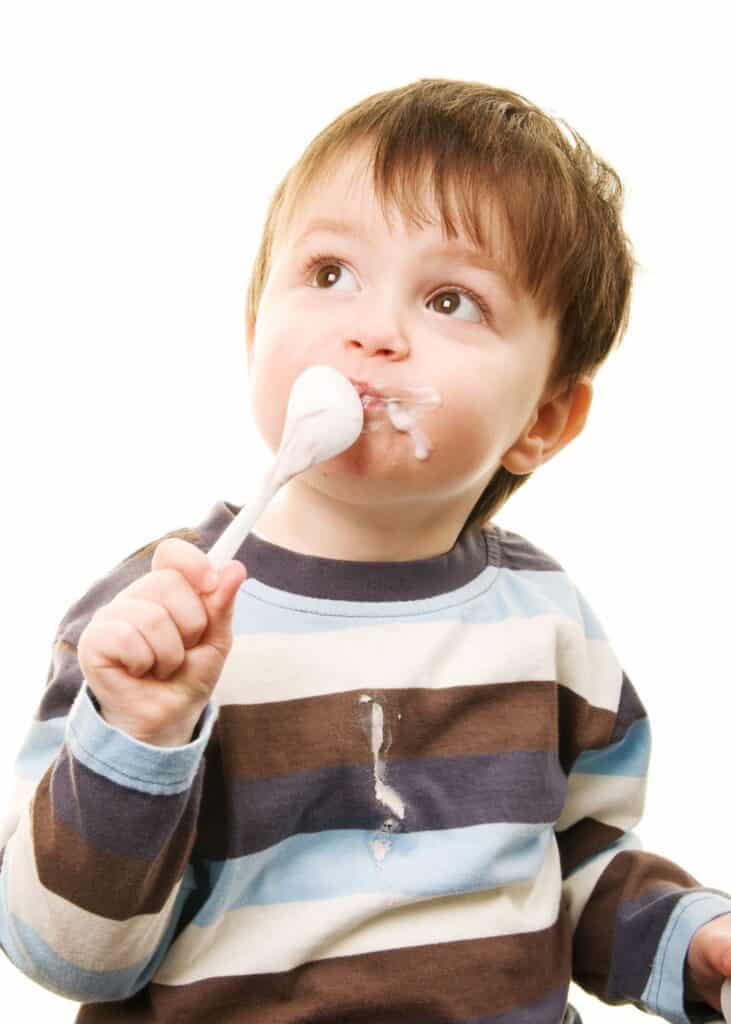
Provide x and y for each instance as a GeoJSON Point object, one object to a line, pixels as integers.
{"type": "Point", "coordinates": [278, 937]}
{"type": "Point", "coordinates": [84, 939]}
{"type": "Point", "coordinates": [616, 800]}
{"type": "Point", "coordinates": [578, 887]}
{"type": "Point", "coordinates": [263, 667]}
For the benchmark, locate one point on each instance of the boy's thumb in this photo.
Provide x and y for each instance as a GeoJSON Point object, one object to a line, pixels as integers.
{"type": "Point", "coordinates": [220, 603]}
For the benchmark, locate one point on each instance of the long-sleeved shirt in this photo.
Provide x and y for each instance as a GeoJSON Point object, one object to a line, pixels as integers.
{"type": "Point", "coordinates": [413, 797]}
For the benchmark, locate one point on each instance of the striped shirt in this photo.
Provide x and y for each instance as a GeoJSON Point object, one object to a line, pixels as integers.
{"type": "Point", "coordinates": [413, 798]}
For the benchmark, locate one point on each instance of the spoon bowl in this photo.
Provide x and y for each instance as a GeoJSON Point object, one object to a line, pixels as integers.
{"type": "Point", "coordinates": [324, 418]}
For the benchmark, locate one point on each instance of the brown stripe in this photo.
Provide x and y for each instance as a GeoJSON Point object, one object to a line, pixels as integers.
{"type": "Point", "coordinates": [582, 726]}
{"type": "Point", "coordinates": [634, 872]}
{"type": "Point", "coordinates": [583, 840]}
{"type": "Point", "coordinates": [285, 737]}
{"type": "Point", "coordinates": [458, 981]}
{"type": "Point", "coordinates": [265, 740]}
{"type": "Point", "coordinates": [70, 868]}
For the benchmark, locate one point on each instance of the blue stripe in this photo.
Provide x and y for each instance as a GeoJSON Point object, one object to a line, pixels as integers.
{"type": "Point", "coordinates": [42, 743]}
{"type": "Point", "coordinates": [128, 762]}
{"type": "Point", "coordinates": [664, 992]}
{"type": "Point", "coordinates": [339, 864]}
{"type": "Point", "coordinates": [628, 757]}
{"type": "Point", "coordinates": [592, 627]}
{"type": "Point", "coordinates": [514, 593]}
{"type": "Point", "coordinates": [109, 752]}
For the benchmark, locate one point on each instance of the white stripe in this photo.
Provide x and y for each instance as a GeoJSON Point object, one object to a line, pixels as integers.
{"type": "Point", "coordinates": [579, 886]}
{"type": "Point", "coordinates": [437, 654]}
{"type": "Point", "coordinates": [616, 800]}
{"type": "Point", "coordinates": [79, 936]}
{"type": "Point", "coordinates": [279, 937]}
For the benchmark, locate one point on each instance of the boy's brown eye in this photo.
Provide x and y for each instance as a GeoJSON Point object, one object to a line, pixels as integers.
{"type": "Point", "coordinates": [449, 301]}
{"type": "Point", "coordinates": [327, 274]}
{"type": "Point", "coordinates": [457, 300]}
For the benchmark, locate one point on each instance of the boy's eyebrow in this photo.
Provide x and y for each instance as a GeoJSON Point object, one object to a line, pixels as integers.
{"type": "Point", "coordinates": [473, 256]}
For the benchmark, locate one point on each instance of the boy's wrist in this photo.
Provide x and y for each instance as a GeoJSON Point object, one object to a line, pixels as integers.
{"type": "Point", "coordinates": [120, 758]}
{"type": "Point", "coordinates": [177, 734]}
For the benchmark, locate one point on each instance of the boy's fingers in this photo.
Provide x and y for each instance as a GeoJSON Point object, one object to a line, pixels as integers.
{"type": "Point", "coordinates": [174, 553]}
{"type": "Point", "coordinates": [218, 596]}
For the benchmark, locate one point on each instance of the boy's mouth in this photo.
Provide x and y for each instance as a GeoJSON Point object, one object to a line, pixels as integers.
{"type": "Point", "coordinates": [371, 398]}
{"type": "Point", "coordinates": [402, 407]}
{"type": "Point", "coordinates": [364, 388]}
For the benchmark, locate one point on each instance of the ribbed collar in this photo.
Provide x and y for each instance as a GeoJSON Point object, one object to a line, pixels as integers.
{"type": "Point", "coordinates": [475, 550]}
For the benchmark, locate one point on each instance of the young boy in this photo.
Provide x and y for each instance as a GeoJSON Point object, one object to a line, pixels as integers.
{"type": "Point", "coordinates": [385, 765]}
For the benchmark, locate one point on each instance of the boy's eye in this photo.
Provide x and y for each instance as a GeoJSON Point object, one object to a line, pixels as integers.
{"type": "Point", "coordinates": [454, 298]}
{"type": "Point", "coordinates": [326, 272]}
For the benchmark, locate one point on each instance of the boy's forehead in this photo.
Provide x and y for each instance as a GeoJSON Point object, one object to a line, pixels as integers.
{"type": "Point", "coordinates": [341, 198]}
{"type": "Point", "coordinates": [346, 183]}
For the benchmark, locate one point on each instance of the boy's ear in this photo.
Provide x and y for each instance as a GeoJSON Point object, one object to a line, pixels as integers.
{"type": "Point", "coordinates": [558, 419]}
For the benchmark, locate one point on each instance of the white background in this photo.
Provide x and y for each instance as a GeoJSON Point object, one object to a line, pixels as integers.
{"type": "Point", "coordinates": [141, 143]}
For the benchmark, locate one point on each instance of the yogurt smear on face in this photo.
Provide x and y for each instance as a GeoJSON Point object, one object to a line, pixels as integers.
{"type": "Point", "coordinates": [402, 408]}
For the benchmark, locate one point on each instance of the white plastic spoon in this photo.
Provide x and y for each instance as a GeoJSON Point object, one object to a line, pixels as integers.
{"type": "Point", "coordinates": [324, 418]}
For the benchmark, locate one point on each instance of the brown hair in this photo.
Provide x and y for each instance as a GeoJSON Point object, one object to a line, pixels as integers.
{"type": "Point", "coordinates": [561, 203]}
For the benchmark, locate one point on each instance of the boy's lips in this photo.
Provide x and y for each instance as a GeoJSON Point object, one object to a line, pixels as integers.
{"type": "Point", "coordinates": [421, 398]}
{"type": "Point", "coordinates": [364, 388]}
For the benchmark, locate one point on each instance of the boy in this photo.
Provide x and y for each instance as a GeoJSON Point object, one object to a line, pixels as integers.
{"type": "Point", "coordinates": [384, 765]}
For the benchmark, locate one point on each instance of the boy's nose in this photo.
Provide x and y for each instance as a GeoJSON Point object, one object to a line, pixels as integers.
{"type": "Point", "coordinates": [391, 347]}
{"type": "Point", "coordinates": [382, 339]}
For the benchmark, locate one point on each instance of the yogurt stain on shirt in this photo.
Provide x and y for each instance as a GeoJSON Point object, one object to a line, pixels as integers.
{"type": "Point", "coordinates": [385, 794]}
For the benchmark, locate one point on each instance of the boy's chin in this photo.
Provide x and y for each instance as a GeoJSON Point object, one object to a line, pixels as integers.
{"type": "Point", "coordinates": [377, 457]}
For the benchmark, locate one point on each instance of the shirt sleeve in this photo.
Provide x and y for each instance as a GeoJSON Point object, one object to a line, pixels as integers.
{"type": "Point", "coordinates": [633, 913]}
{"type": "Point", "coordinates": [95, 874]}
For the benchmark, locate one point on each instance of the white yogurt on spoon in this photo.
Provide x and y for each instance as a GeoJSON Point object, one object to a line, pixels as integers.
{"type": "Point", "coordinates": [325, 416]}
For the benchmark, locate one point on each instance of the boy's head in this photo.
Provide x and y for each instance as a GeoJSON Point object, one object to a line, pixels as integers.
{"type": "Point", "coordinates": [421, 174]}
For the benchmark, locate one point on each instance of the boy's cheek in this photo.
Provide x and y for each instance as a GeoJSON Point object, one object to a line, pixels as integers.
{"type": "Point", "coordinates": [269, 420]}
{"type": "Point", "coordinates": [269, 394]}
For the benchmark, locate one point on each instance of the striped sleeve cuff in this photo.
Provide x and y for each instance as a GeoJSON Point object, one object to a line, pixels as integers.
{"type": "Point", "coordinates": [129, 762]}
{"type": "Point", "coordinates": [664, 994]}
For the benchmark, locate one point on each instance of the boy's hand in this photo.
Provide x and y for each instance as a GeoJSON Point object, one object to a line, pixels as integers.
{"type": "Point", "coordinates": [708, 962]}
{"type": "Point", "coordinates": [154, 654]}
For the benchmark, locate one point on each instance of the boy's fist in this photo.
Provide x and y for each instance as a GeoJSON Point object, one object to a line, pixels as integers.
{"type": "Point", "coordinates": [154, 654]}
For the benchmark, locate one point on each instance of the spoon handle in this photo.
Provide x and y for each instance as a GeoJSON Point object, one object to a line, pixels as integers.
{"type": "Point", "coordinates": [233, 536]}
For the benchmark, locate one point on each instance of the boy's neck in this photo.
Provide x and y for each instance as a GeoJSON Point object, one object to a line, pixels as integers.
{"type": "Point", "coordinates": [306, 521]}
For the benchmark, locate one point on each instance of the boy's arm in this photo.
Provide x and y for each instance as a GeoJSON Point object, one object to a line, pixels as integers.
{"type": "Point", "coordinates": [633, 913]}
{"type": "Point", "coordinates": [94, 853]}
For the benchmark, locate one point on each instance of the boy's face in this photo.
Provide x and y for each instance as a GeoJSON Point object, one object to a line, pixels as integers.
{"type": "Point", "coordinates": [388, 305]}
